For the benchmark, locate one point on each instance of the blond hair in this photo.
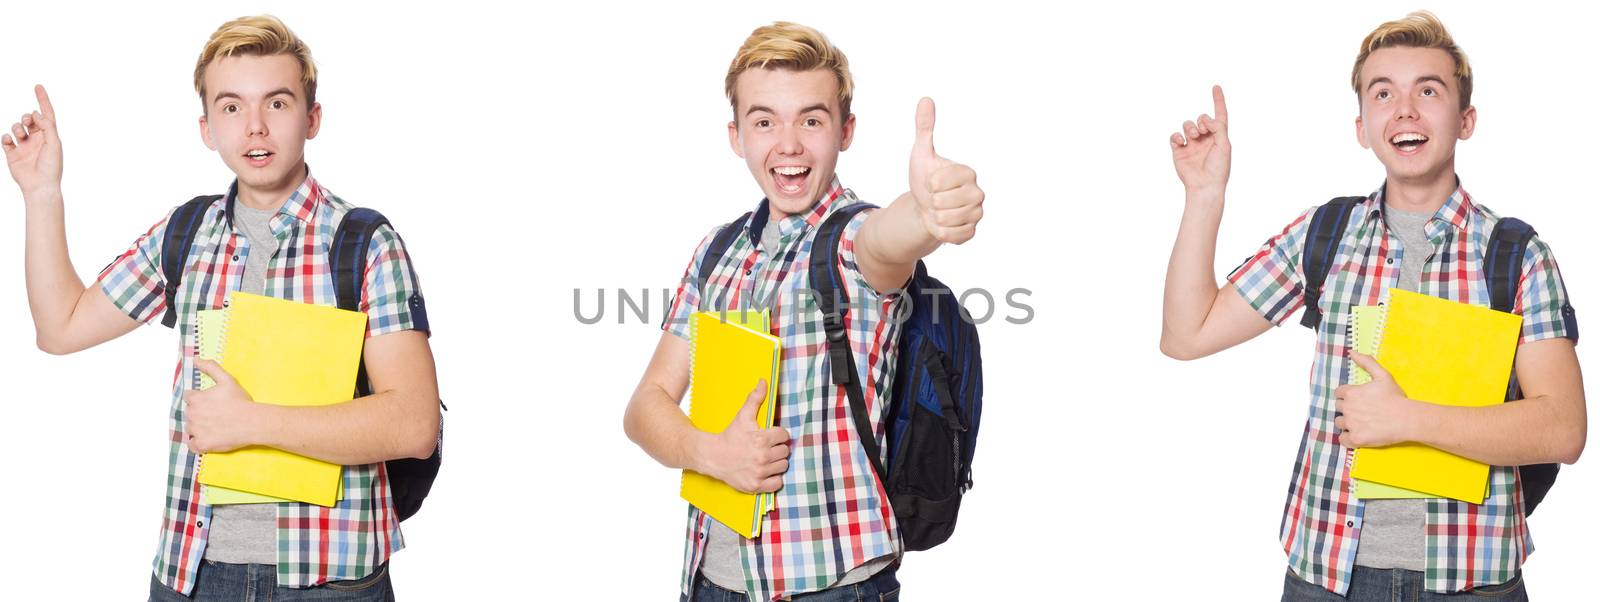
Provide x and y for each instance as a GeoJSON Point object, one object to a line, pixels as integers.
{"type": "Point", "coordinates": [784, 45]}
{"type": "Point", "coordinates": [1419, 29]}
{"type": "Point", "coordinates": [261, 35]}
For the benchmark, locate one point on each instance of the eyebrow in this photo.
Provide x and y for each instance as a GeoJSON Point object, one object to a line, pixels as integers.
{"type": "Point", "coordinates": [234, 95]}
{"type": "Point", "coordinates": [1425, 78]}
{"type": "Point", "coordinates": [816, 107]}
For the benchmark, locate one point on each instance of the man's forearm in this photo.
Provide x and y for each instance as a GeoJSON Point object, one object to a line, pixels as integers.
{"type": "Point", "coordinates": [1191, 285]}
{"type": "Point", "coordinates": [658, 426]}
{"type": "Point", "coordinates": [375, 428]}
{"type": "Point", "coordinates": [1529, 431]}
{"type": "Point", "coordinates": [53, 285]}
{"type": "Point", "coordinates": [899, 237]}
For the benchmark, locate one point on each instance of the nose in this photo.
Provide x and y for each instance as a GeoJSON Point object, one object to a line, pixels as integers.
{"type": "Point", "coordinates": [1405, 107]}
{"type": "Point", "coordinates": [789, 141]}
{"type": "Point", "coordinates": [256, 123]}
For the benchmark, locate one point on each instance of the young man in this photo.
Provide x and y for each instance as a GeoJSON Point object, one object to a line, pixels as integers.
{"type": "Point", "coordinates": [1421, 232]}
{"type": "Point", "coordinates": [268, 235]}
{"type": "Point", "coordinates": [833, 535]}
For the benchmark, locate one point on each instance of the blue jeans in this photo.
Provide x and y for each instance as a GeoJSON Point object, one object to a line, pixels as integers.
{"type": "Point", "coordinates": [221, 581]}
{"type": "Point", "coordinates": [1396, 585]}
{"type": "Point", "coordinates": [881, 587]}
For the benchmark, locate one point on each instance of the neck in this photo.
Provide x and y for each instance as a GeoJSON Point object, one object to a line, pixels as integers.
{"type": "Point", "coordinates": [1422, 194]}
{"type": "Point", "coordinates": [272, 196]}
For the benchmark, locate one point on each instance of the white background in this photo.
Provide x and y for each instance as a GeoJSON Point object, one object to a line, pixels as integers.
{"type": "Point", "coordinates": [527, 154]}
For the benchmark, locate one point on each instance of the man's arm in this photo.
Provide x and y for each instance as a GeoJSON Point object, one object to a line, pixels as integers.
{"type": "Point", "coordinates": [67, 316]}
{"type": "Point", "coordinates": [400, 419]}
{"type": "Point", "coordinates": [943, 205]}
{"type": "Point", "coordinates": [1197, 318]}
{"type": "Point", "coordinates": [1550, 424]}
{"type": "Point", "coordinates": [749, 458]}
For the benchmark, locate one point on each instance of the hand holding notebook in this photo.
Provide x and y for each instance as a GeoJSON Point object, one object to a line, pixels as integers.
{"type": "Point", "coordinates": [729, 353]}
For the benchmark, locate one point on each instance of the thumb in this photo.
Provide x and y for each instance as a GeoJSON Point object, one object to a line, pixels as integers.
{"type": "Point", "coordinates": [747, 413]}
{"type": "Point", "coordinates": [924, 144]}
{"type": "Point", "coordinates": [214, 370]}
{"type": "Point", "coordinates": [1371, 365]}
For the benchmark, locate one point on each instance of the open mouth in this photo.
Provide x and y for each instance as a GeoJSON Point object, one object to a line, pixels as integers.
{"type": "Point", "coordinates": [790, 178]}
{"type": "Point", "coordinates": [258, 155]}
{"type": "Point", "coordinates": [1408, 142]}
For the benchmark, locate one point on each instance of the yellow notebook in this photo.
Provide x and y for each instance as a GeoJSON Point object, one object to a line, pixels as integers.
{"type": "Point", "coordinates": [727, 358]}
{"type": "Point", "coordinates": [210, 326]}
{"type": "Point", "coordinates": [1364, 322]}
{"type": "Point", "coordinates": [1447, 353]}
{"type": "Point", "coordinates": [286, 353]}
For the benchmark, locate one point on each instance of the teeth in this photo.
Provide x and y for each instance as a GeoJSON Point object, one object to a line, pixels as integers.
{"type": "Point", "coordinates": [791, 170]}
{"type": "Point", "coordinates": [1408, 137]}
{"type": "Point", "coordinates": [257, 154]}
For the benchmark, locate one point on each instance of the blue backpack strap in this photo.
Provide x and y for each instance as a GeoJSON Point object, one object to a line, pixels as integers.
{"type": "Point", "coordinates": [175, 242]}
{"type": "Point", "coordinates": [1502, 266]}
{"type": "Point", "coordinates": [1508, 243]}
{"type": "Point", "coordinates": [832, 300]}
{"type": "Point", "coordinates": [719, 247]}
{"type": "Point", "coordinates": [410, 479]}
{"type": "Point", "coordinates": [1322, 242]}
{"type": "Point", "coordinates": [347, 257]}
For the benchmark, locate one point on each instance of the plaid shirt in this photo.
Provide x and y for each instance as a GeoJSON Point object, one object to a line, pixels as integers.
{"type": "Point", "coordinates": [1468, 545]}
{"type": "Point", "coordinates": [831, 514]}
{"type": "Point", "coordinates": [315, 544]}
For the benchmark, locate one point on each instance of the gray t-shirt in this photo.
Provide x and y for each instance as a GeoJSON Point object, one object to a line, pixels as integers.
{"type": "Point", "coordinates": [721, 564]}
{"type": "Point", "coordinates": [248, 533]}
{"type": "Point", "coordinates": [1393, 532]}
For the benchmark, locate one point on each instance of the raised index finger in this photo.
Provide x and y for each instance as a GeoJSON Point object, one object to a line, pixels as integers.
{"type": "Point", "coordinates": [48, 110]}
{"type": "Point", "coordinates": [1219, 105]}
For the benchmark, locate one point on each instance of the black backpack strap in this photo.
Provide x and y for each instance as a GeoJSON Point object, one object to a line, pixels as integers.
{"type": "Point", "coordinates": [1508, 243]}
{"type": "Point", "coordinates": [347, 257]}
{"type": "Point", "coordinates": [833, 301]}
{"type": "Point", "coordinates": [1502, 266]}
{"type": "Point", "coordinates": [719, 247]}
{"type": "Point", "coordinates": [175, 242]}
{"type": "Point", "coordinates": [1322, 241]}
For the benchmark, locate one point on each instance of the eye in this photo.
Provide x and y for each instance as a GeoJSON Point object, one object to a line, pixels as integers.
{"type": "Point", "coordinates": [813, 122]}
{"type": "Point", "coordinates": [279, 104]}
{"type": "Point", "coordinates": [1429, 92]}
{"type": "Point", "coordinates": [762, 123]}
{"type": "Point", "coordinates": [1383, 95]}
{"type": "Point", "coordinates": [230, 108]}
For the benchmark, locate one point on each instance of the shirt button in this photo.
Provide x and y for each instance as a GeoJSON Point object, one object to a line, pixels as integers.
{"type": "Point", "coordinates": [199, 523]}
{"type": "Point", "coordinates": [1388, 261]}
{"type": "Point", "coordinates": [747, 271]}
{"type": "Point", "coordinates": [1349, 523]}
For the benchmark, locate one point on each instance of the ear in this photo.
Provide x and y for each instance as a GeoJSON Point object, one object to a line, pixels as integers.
{"type": "Point", "coordinates": [1361, 133]}
{"type": "Point", "coordinates": [733, 139]}
{"type": "Point", "coordinates": [205, 134]}
{"type": "Point", "coordinates": [314, 121]}
{"type": "Point", "coordinates": [1469, 122]}
{"type": "Point", "coordinates": [849, 132]}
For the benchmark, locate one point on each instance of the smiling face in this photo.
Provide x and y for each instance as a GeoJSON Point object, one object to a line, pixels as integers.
{"type": "Point", "coordinates": [789, 129]}
{"type": "Point", "coordinates": [1411, 113]}
{"type": "Point", "coordinates": [257, 118]}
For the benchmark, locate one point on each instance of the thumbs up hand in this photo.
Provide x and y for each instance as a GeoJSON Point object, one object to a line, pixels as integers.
{"type": "Point", "coordinates": [948, 198]}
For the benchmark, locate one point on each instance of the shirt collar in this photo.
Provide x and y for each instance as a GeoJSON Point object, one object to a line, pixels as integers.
{"type": "Point", "coordinates": [799, 222]}
{"type": "Point", "coordinates": [1455, 211]}
{"type": "Point", "coordinates": [301, 204]}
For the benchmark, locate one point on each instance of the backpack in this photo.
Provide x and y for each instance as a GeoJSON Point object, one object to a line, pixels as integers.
{"type": "Point", "coordinates": [410, 479]}
{"type": "Point", "coordinates": [1502, 267]}
{"type": "Point", "coordinates": [937, 393]}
